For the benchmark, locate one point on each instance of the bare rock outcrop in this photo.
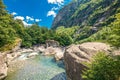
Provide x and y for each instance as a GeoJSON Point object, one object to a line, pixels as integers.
{"type": "Point", "coordinates": [76, 55]}
{"type": "Point", "coordinates": [116, 52]}
{"type": "Point", "coordinates": [6, 58]}
{"type": "Point", "coordinates": [3, 66]}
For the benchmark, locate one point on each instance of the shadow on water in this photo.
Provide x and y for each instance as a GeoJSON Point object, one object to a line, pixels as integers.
{"type": "Point", "coordinates": [61, 76]}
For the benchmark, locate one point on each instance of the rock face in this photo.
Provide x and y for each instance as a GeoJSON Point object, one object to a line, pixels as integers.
{"type": "Point", "coordinates": [72, 14]}
{"type": "Point", "coordinates": [75, 55]}
{"type": "Point", "coordinates": [3, 66]}
{"type": "Point", "coordinates": [6, 58]}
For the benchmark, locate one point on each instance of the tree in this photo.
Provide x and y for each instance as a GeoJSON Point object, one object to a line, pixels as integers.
{"type": "Point", "coordinates": [103, 67]}
{"type": "Point", "coordinates": [65, 35]}
{"type": "Point", "coordinates": [114, 38]}
{"type": "Point", "coordinates": [2, 8]}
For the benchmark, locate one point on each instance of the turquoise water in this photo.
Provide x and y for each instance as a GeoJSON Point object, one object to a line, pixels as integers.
{"type": "Point", "coordinates": [39, 68]}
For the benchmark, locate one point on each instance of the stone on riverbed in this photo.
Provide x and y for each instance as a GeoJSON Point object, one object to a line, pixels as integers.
{"type": "Point", "coordinates": [32, 55]}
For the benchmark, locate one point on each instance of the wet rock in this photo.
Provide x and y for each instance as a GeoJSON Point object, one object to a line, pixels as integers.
{"type": "Point", "coordinates": [31, 55]}
{"type": "Point", "coordinates": [25, 50]}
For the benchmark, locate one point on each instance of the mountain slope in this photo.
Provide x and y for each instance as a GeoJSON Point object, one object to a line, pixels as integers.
{"type": "Point", "coordinates": [86, 13]}
{"type": "Point", "coordinates": [97, 20]}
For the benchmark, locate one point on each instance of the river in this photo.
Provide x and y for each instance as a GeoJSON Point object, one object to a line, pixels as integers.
{"type": "Point", "coordinates": [38, 68]}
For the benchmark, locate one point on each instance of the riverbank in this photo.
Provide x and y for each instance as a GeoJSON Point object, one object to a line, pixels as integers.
{"type": "Point", "coordinates": [50, 48]}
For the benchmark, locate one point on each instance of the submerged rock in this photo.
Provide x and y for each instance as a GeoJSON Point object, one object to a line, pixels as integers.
{"type": "Point", "coordinates": [76, 55]}
{"type": "Point", "coordinates": [61, 76]}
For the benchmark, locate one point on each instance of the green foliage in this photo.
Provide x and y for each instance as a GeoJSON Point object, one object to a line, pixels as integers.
{"type": "Point", "coordinates": [11, 29]}
{"type": "Point", "coordinates": [64, 40]}
{"type": "Point", "coordinates": [7, 33]}
{"type": "Point", "coordinates": [103, 67]}
{"type": "Point", "coordinates": [6, 36]}
{"type": "Point", "coordinates": [114, 38]}
{"type": "Point", "coordinates": [83, 33]}
{"type": "Point", "coordinates": [108, 34]}
{"type": "Point", "coordinates": [35, 35]}
{"type": "Point", "coordinates": [66, 31]}
{"type": "Point", "coordinates": [65, 35]}
{"type": "Point", "coordinates": [38, 35]}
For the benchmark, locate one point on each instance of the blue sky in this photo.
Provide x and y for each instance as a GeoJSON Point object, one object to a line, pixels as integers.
{"type": "Point", "coordinates": [41, 11]}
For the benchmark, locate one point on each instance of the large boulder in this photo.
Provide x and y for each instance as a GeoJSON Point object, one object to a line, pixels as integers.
{"type": "Point", "coordinates": [52, 43]}
{"type": "Point", "coordinates": [76, 55]}
{"type": "Point", "coordinates": [49, 51]}
{"type": "Point", "coordinates": [3, 66]}
{"type": "Point", "coordinates": [39, 48]}
{"type": "Point", "coordinates": [58, 52]}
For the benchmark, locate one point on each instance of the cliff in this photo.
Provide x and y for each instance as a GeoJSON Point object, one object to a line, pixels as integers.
{"type": "Point", "coordinates": [86, 13]}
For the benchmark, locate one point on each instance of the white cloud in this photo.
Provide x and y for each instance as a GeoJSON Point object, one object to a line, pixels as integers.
{"type": "Point", "coordinates": [29, 18]}
{"type": "Point", "coordinates": [56, 1]}
{"type": "Point", "coordinates": [55, 8]}
{"type": "Point", "coordinates": [26, 24]}
{"type": "Point", "coordinates": [59, 3]}
{"type": "Point", "coordinates": [19, 17]}
{"type": "Point", "coordinates": [38, 20]}
{"type": "Point", "coordinates": [14, 13]}
{"type": "Point", "coordinates": [51, 13]}
{"type": "Point", "coordinates": [22, 19]}
{"type": "Point", "coordinates": [26, 20]}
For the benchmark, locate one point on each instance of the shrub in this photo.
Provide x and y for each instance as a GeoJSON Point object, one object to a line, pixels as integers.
{"type": "Point", "coordinates": [103, 67]}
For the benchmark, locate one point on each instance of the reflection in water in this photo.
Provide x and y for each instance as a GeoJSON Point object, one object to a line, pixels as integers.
{"type": "Point", "coordinates": [39, 68]}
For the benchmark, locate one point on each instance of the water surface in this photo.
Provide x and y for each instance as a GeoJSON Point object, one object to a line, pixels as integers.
{"type": "Point", "coordinates": [38, 68]}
